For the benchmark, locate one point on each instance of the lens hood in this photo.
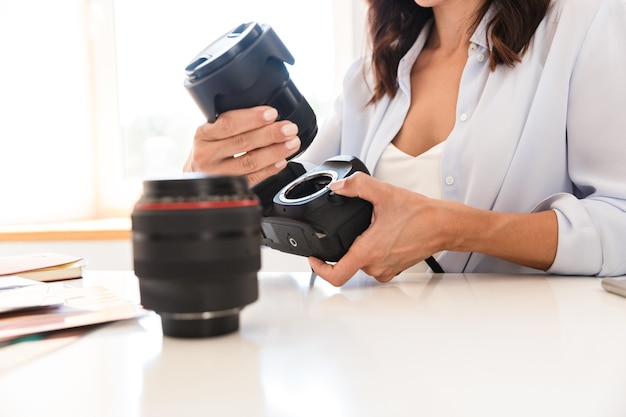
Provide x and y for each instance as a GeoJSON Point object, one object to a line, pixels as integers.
{"type": "Point", "coordinates": [244, 68]}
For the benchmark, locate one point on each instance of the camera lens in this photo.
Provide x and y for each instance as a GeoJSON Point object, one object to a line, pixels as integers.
{"type": "Point", "coordinates": [196, 252]}
{"type": "Point", "coordinates": [246, 68]}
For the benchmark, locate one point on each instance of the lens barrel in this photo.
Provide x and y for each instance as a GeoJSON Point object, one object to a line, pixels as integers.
{"type": "Point", "coordinates": [196, 252]}
{"type": "Point", "coordinates": [246, 68]}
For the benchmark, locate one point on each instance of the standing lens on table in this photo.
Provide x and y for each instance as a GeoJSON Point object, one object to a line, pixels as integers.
{"type": "Point", "coordinates": [196, 251]}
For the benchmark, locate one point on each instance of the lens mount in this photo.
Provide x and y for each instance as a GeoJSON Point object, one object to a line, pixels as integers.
{"type": "Point", "coordinates": [200, 324]}
{"type": "Point", "coordinates": [308, 187]}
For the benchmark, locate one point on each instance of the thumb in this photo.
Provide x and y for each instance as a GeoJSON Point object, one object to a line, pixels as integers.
{"type": "Point", "coordinates": [359, 185]}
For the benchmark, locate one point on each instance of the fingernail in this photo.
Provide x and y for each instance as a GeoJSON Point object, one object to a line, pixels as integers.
{"type": "Point", "coordinates": [337, 185]}
{"type": "Point", "coordinates": [290, 129]}
{"type": "Point", "coordinates": [270, 114]}
{"type": "Point", "coordinates": [281, 164]}
{"type": "Point", "coordinates": [293, 143]}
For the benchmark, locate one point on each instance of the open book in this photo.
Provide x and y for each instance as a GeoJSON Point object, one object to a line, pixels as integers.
{"type": "Point", "coordinates": [42, 266]}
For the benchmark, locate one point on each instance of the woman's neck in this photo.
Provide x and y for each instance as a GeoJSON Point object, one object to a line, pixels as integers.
{"type": "Point", "coordinates": [451, 28]}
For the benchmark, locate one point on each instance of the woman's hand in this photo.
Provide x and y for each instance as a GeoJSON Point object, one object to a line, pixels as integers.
{"type": "Point", "coordinates": [408, 227]}
{"type": "Point", "coordinates": [246, 142]}
{"type": "Point", "coordinates": [404, 231]}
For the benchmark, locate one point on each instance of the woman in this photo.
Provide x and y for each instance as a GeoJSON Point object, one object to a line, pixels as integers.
{"type": "Point", "coordinates": [493, 131]}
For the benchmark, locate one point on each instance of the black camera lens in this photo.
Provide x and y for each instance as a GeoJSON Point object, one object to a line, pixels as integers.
{"type": "Point", "coordinates": [245, 68]}
{"type": "Point", "coordinates": [196, 252]}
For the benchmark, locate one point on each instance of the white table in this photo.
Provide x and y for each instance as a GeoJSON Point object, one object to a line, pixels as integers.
{"type": "Point", "coordinates": [447, 345]}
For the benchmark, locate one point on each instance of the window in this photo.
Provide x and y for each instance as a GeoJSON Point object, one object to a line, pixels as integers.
{"type": "Point", "coordinates": [92, 100]}
{"type": "Point", "coordinates": [46, 147]}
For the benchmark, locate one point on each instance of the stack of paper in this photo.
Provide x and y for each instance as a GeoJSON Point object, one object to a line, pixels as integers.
{"type": "Point", "coordinates": [30, 307]}
{"type": "Point", "coordinates": [42, 266]}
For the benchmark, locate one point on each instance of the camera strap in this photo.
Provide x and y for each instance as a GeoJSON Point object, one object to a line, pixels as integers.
{"type": "Point", "coordinates": [434, 265]}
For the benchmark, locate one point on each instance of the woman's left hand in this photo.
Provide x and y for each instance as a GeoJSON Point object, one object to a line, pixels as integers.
{"type": "Point", "coordinates": [405, 230]}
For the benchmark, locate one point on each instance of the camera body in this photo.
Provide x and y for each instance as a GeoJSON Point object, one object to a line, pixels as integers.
{"type": "Point", "coordinates": [306, 218]}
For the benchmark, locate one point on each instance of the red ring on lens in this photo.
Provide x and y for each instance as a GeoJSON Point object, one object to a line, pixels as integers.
{"type": "Point", "coordinates": [196, 205]}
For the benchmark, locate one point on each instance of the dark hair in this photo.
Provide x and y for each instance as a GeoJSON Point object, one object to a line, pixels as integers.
{"type": "Point", "coordinates": [395, 24]}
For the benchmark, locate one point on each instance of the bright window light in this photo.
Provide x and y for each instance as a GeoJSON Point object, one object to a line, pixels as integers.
{"type": "Point", "coordinates": [92, 97]}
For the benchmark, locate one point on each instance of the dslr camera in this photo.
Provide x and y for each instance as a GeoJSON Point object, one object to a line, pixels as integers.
{"type": "Point", "coordinates": [245, 67]}
{"type": "Point", "coordinates": [306, 218]}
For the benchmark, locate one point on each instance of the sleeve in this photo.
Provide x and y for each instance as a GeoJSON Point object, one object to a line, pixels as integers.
{"type": "Point", "coordinates": [327, 142]}
{"type": "Point", "coordinates": [592, 222]}
{"type": "Point", "coordinates": [331, 139]}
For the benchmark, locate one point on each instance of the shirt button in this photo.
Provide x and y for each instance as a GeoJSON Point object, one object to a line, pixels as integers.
{"type": "Point", "coordinates": [473, 47]}
{"type": "Point", "coordinates": [449, 180]}
{"type": "Point", "coordinates": [463, 117]}
{"type": "Point", "coordinates": [480, 57]}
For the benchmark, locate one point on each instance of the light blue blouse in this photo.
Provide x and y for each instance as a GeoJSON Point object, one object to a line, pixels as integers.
{"type": "Point", "coordinates": [549, 133]}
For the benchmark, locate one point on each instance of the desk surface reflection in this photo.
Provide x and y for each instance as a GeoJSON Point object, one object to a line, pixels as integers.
{"type": "Point", "coordinates": [431, 345]}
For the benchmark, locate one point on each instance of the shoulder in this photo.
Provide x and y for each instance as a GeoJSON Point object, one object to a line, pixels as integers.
{"type": "Point", "coordinates": [358, 82]}
{"type": "Point", "coordinates": [582, 11]}
{"type": "Point", "coordinates": [359, 74]}
{"type": "Point", "coordinates": [569, 24]}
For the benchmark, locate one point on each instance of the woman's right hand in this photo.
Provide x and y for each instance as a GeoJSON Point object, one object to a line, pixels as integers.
{"type": "Point", "coordinates": [247, 142]}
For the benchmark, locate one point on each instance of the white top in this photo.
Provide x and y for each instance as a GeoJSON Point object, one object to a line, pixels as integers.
{"type": "Point", "coordinates": [546, 134]}
{"type": "Point", "coordinates": [420, 174]}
